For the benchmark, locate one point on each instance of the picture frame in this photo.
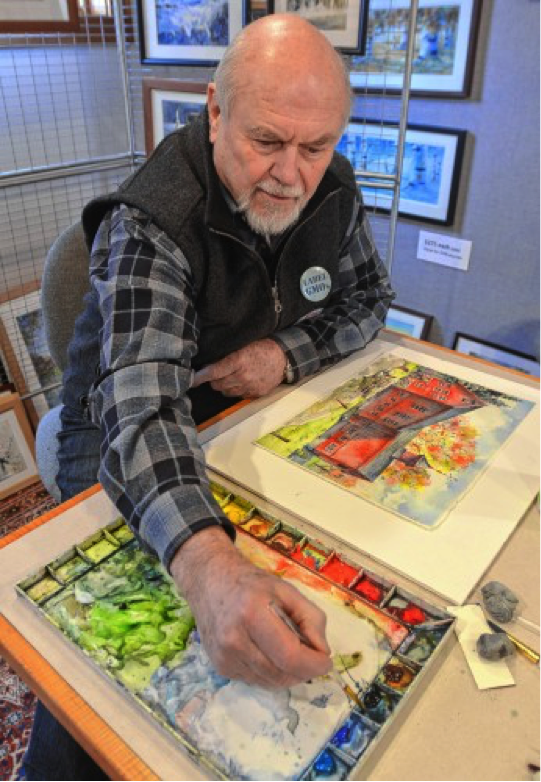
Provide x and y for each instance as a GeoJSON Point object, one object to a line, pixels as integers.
{"type": "Point", "coordinates": [39, 16]}
{"type": "Point", "coordinates": [202, 30]}
{"type": "Point", "coordinates": [167, 105]}
{"type": "Point", "coordinates": [430, 172]}
{"type": "Point", "coordinates": [29, 362]}
{"type": "Point", "coordinates": [17, 463]}
{"type": "Point", "coordinates": [343, 22]}
{"type": "Point", "coordinates": [408, 322]}
{"type": "Point", "coordinates": [490, 351]}
{"type": "Point", "coordinates": [444, 54]}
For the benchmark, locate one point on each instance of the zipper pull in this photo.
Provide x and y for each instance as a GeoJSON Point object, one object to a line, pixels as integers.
{"type": "Point", "coordinates": [277, 302]}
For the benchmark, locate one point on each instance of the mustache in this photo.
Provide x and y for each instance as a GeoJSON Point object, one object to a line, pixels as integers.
{"type": "Point", "coordinates": [283, 191]}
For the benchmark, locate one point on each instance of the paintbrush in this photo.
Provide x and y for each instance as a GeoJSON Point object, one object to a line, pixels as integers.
{"type": "Point", "coordinates": [523, 648]}
{"type": "Point", "coordinates": [335, 676]}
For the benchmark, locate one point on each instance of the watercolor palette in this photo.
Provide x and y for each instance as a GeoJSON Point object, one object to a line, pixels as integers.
{"type": "Point", "coordinates": [121, 609]}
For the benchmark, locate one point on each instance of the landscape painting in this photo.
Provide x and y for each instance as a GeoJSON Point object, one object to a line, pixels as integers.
{"type": "Point", "coordinates": [402, 436]}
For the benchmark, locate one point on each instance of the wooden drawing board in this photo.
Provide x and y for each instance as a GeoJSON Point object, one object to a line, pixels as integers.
{"type": "Point", "coordinates": [448, 560]}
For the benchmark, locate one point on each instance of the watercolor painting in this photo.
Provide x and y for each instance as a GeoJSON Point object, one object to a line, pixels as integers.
{"type": "Point", "coordinates": [402, 436]}
{"type": "Point", "coordinates": [444, 47]}
{"type": "Point", "coordinates": [119, 606]}
{"type": "Point", "coordinates": [193, 22]}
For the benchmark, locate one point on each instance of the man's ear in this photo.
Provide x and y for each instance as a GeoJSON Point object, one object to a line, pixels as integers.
{"type": "Point", "coordinates": [214, 112]}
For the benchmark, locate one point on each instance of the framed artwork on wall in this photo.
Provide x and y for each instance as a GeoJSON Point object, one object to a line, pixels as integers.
{"type": "Point", "coordinates": [17, 465]}
{"type": "Point", "coordinates": [29, 362]}
{"type": "Point", "coordinates": [444, 53]}
{"type": "Point", "coordinates": [408, 322]}
{"type": "Point", "coordinates": [430, 171]}
{"type": "Point", "coordinates": [189, 33]}
{"type": "Point", "coordinates": [490, 351]}
{"type": "Point", "coordinates": [168, 104]}
{"type": "Point", "coordinates": [38, 16]}
{"type": "Point", "coordinates": [343, 22]}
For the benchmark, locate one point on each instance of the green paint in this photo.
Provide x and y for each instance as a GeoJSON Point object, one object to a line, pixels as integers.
{"type": "Point", "coordinates": [71, 569]}
{"type": "Point", "coordinates": [123, 534]}
{"type": "Point", "coordinates": [99, 550]}
{"type": "Point", "coordinates": [44, 588]}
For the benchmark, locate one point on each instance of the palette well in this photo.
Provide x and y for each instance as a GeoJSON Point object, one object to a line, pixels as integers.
{"type": "Point", "coordinates": [119, 607]}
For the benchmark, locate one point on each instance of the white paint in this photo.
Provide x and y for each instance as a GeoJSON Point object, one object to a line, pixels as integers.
{"type": "Point", "coordinates": [445, 250]}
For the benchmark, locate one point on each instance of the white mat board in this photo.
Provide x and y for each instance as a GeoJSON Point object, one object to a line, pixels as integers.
{"type": "Point", "coordinates": [448, 560]}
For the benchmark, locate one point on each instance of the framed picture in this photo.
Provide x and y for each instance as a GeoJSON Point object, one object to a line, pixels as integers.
{"type": "Point", "coordinates": [38, 16]}
{"type": "Point", "coordinates": [444, 53]}
{"type": "Point", "coordinates": [17, 465]}
{"type": "Point", "coordinates": [343, 22]}
{"type": "Point", "coordinates": [408, 322]}
{"type": "Point", "coordinates": [489, 351]}
{"type": "Point", "coordinates": [194, 32]}
{"type": "Point", "coordinates": [430, 171]}
{"type": "Point", "coordinates": [29, 362]}
{"type": "Point", "coordinates": [169, 104]}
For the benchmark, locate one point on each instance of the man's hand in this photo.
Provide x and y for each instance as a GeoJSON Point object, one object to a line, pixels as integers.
{"type": "Point", "coordinates": [250, 372]}
{"type": "Point", "coordinates": [241, 632]}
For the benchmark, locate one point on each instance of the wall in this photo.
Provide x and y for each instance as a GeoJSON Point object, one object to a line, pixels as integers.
{"type": "Point", "coordinates": [497, 299]}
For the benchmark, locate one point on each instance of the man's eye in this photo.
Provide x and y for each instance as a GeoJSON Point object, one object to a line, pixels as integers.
{"type": "Point", "coordinates": [267, 143]}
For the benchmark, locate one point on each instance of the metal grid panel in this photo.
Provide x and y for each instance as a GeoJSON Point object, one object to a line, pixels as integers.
{"type": "Point", "coordinates": [65, 140]}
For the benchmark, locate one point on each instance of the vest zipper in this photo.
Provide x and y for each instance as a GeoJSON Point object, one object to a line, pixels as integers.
{"type": "Point", "coordinates": [277, 303]}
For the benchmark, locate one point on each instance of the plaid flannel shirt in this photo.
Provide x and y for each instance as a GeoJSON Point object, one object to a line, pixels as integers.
{"type": "Point", "coordinates": [152, 466]}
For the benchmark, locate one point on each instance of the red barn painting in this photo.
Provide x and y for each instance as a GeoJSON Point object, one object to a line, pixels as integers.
{"type": "Point", "coordinates": [371, 435]}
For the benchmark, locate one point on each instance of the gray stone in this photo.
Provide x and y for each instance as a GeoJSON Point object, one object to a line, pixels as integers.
{"type": "Point", "coordinates": [494, 646]}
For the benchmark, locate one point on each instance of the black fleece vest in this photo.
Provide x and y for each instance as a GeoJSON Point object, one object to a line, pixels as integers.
{"type": "Point", "coordinates": [180, 191]}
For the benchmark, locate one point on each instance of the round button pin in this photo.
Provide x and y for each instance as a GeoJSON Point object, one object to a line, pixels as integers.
{"type": "Point", "coordinates": [315, 283]}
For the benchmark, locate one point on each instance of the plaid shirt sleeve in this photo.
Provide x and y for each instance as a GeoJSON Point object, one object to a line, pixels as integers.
{"type": "Point", "coordinates": [152, 466]}
{"type": "Point", "coordinates": [355, 312]}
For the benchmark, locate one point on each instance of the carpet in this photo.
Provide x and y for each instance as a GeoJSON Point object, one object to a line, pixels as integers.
{"type": "Point", "coordinates": [17, 702]}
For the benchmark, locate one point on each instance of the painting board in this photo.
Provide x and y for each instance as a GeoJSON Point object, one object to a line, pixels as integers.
{"type": "Point", "coordinates": [439, 559]}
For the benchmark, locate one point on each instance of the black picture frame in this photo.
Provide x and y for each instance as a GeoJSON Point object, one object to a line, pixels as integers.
{"type": "Point", "coordinates": [431, 167]}
{"type": "Point", "coordinates": [497, 354]}
{"type": "Point", "coordinates": [382, 67]}
{"type": "Point", "coordinates": [174, 52]}
{"type": "Point", "coordinates": [350, 39]}
{"type": "Point", "coordinates": [409, 322]}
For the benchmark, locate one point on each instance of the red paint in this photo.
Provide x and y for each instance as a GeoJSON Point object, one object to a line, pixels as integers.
{"type": "Point", "coordinates": [339, 572]}
{"type": "Point", "coordinates": [413, 615]}
{"type": "Point", "coordinates": [369, 590]}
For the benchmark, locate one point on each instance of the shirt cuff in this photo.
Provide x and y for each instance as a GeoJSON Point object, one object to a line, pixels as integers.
{"type": "Point", "coordinates": [299, 350]}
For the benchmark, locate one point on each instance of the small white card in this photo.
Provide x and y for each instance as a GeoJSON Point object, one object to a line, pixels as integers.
{"type": "Point", "coordinates": [470, 625]}
{"type": "Point", "coordinates": [445, 250]}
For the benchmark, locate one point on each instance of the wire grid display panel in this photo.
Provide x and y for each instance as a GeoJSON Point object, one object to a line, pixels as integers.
{"type": "Point", "coordinates": [61, 107]}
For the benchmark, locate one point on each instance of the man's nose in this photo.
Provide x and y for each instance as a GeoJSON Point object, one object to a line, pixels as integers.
{"type": "Point", "coordinates": [286, 166]}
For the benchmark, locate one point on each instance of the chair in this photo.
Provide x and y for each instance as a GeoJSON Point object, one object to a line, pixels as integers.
{"type": "Point", "coordinates": [64, 284]}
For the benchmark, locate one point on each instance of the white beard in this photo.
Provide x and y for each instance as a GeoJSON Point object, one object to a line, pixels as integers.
{"type": "Point", "coordinates": [272, 219]}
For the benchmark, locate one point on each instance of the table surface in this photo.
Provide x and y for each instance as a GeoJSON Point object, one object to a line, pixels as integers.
{"type": "Point", "coordinates": [453, 731]}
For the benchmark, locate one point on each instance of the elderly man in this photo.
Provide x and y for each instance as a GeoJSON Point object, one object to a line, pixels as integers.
{"type": "Point", "coordinates": [237, 258]}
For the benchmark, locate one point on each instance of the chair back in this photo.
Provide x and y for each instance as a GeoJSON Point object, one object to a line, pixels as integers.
{"type": "Point", "coordinates": [64, 284]}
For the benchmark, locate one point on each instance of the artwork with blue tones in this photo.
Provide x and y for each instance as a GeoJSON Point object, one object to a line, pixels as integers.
{"type": "Point", "coordinates": [430, 168]}
{"type": "Point", "coordinates": [193, 22]}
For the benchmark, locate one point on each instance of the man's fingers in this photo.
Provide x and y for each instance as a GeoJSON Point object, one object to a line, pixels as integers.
{"type": "Point", "coordinates": [285, 650]}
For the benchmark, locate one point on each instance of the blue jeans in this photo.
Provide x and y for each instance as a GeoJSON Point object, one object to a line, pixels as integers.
{"type": "Point", "coordinates": [52, 752]}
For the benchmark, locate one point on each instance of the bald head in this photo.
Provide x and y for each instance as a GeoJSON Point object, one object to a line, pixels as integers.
{"type": "Point", "coordinates": [282, 52]}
